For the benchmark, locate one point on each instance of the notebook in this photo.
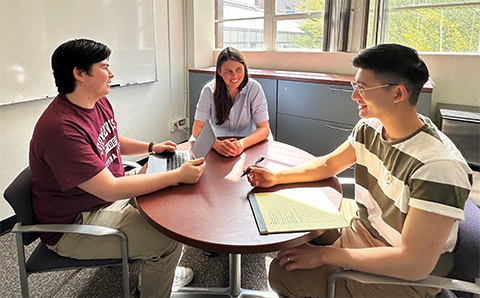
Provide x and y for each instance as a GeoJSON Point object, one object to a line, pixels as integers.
{"type": "Point", "coordinates": [295, 210]}
{"type": "Point", "coordinates": [168, 161]}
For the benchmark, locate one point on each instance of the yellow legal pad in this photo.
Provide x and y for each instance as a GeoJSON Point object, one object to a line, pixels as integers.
{"type": "Point", "coordinates": [295, 210]}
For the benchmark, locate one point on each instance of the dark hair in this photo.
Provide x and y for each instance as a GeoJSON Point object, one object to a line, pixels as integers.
{"type": "Point", "coordinates": [395, 64]}
{"type": "Point", "coordinates": [79, 53]}
{"type": "Point", "coordinates": [221, 98]}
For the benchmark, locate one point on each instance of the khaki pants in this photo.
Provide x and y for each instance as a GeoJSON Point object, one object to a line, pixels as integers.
{"type": "Point", "coordinates": [159, 253]}
{"type": "Point", "coordinates": [314, 282]}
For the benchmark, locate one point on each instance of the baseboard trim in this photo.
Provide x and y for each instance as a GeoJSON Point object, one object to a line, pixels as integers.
{"type": "Point", "coordinates": [7, 224]}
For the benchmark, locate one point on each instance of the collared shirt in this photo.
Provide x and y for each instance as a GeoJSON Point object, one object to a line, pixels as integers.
{"type": "Point", "coordinates": [249, 108]}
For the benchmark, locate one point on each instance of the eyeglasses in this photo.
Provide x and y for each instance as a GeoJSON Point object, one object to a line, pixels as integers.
{"type": "Point", "coordinates": [361, 89]}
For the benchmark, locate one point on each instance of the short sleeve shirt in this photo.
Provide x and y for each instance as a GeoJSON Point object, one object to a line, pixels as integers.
{"type": "Point", "coordinates": [425, 171]}
{"type": "Point", "coordinates": [249, 108]}
{"type": "Point", "coordinates": [69, 146]}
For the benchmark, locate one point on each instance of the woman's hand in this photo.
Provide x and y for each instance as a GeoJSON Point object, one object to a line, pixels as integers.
{"type": "Point", "coordinates": [227, 147]}
{"type": "Point", "coordinates": [239, 146]}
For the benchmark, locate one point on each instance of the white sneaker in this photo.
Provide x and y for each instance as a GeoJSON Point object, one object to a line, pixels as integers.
{"type": "Point", "coordinates": [183, 276]}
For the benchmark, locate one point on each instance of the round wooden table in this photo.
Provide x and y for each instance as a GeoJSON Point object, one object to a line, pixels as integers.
{"type": "Point", "coordinates": [215, 213]}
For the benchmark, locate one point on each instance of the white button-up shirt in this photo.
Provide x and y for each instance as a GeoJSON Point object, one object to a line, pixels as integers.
{"type": "Point", "coordinates": [249, 108]}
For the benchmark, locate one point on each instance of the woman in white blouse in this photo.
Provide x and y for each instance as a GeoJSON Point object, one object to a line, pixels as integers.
{"type": "Point", "coordinates": [234, 104]}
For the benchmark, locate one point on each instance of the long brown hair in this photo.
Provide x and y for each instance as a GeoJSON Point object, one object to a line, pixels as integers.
{"type": "Point", "coordinates": [222, 100]}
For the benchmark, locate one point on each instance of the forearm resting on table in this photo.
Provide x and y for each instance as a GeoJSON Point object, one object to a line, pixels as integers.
{"type": "Point", "coordinates": [260, 134]}
{"type": "Point", "coordinates": [109, 188]}
{"type": "Point", "coordinates": [319, 168]}
{"type": "Point", "coordinates": [313, 170]}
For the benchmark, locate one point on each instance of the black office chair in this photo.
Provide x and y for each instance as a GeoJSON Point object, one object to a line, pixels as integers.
{"type": "Point", "coordinates": [19, 195]}
{"type": "Point", "coordinates": [462, 281]}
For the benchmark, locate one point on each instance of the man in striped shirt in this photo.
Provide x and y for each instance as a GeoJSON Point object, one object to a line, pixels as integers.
{"type": "Point", "coordinates": [411, 184]}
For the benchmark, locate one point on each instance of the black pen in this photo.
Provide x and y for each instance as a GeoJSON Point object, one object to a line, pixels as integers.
{"type": "Point", "coordinates": [259, 160]}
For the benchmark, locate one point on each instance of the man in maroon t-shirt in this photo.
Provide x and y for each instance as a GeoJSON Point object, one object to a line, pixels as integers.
{"type": "Point", "coordinates": [78, 177]}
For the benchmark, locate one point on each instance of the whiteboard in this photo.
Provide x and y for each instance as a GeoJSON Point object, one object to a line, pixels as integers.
{"type": "Point", "coordinates": [30, 30]}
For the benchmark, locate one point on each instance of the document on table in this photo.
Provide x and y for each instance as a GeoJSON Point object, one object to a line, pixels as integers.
{"type": "Point", "coordinates": [295, 210]}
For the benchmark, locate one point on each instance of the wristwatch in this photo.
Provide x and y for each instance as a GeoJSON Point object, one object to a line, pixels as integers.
{"type": "Point", "coordinates": [150, 147]}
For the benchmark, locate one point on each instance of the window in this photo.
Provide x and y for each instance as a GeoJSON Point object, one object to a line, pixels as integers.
{"type": "Point", "coordinates": [298, 24]}
{"type": "Point", "coordinates": [240, 24]}
{"type": "Point", "coordinates": [428, 25]}
{"type": "Point", "coordinates": [348, 25]}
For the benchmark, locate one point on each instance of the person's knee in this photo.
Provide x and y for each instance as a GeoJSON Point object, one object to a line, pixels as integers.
{"type": "Point", "coordinates": [170, 253]}
{"type": "Point", "coordinates": [278, 279]}
{"type": "Point", "coordinates": [171, 247]}
{"type": "Point", "coordinates": [303, 283]}
{"type": "Point", "coordinates": [273, 275]}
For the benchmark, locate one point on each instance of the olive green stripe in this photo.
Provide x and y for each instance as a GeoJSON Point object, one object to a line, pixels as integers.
{"type": "Point", "coordinates": [448, 194]}
{"type": "Point", "coordinates": [391, 215]}
{"type": "Point", "coordinates": [402, 165]}
{"type": "Point", "coordinates": [398, 163]}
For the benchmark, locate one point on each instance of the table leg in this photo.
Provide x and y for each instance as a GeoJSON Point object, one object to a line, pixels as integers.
{"type": "Point", "coordinates": [235, 274]}
{"type": "Point", "coordinates": [233, 291]}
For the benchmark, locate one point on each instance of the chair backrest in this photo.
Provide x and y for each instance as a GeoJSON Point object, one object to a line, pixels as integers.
{"type": "Point", "coordinates": [467, 254]}
{"type": "Point", "coordinates": [19, 195]}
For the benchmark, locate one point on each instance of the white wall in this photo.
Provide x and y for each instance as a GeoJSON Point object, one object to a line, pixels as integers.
{"type": "Point", "coordinates": [200, 33]}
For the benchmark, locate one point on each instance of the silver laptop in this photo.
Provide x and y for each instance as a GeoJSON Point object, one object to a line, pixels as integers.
{"type": "Point", "coordinates": [170, 161]}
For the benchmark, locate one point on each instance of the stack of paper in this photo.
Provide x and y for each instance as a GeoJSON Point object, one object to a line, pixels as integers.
{"type": "Point", "coordinates": [295, 210]}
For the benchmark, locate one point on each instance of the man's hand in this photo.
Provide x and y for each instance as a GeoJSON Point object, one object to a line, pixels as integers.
{"type": "Point", "coordinates": [167, 146]}
{"type": "Point", "coordinates": [191, 171]}
{"type": "Point", "coordinates": [422, 241]}
{"type": "Point", "coordinates": [260, 176]}
{"type": "Point", "coordinates": [305, 256]}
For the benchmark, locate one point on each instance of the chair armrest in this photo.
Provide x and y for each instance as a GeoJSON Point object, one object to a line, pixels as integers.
{"type": "Point", "coordinates": [430, 281]}
{"type": "Point", "coordinates": [69, 228]}
{"type": "Point", "coordinates": [131, 164]}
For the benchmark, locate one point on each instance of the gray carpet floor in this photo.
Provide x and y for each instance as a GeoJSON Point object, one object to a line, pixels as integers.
{"type": "Point", "coordinates": [106, 282]}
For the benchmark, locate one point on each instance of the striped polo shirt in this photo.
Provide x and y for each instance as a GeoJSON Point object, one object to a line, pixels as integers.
{"type": "Point", "coordinates": [425, 171]}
